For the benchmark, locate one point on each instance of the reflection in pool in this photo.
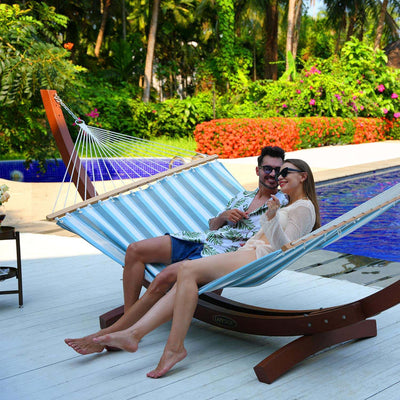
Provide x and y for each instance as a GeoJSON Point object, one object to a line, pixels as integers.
{"type": "Point", "coordinates": [380, 238]}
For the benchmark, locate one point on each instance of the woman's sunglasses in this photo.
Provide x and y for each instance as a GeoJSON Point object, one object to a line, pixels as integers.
{"type": "Point", "coordinates": [285, 171]}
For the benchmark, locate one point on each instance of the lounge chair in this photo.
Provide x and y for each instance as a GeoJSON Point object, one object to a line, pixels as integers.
{"type": "Point", "coordinates": [186, 200]}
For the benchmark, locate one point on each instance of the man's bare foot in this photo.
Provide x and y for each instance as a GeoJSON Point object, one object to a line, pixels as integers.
{"type": "Point", "coordinates": [85, 345]}
{"type": "Point", "coordinates": [167, 361]}
{"type": "Point", "coordinates": [124, 340]}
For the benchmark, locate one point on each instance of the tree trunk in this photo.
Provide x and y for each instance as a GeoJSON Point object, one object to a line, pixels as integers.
{"type": "Point", "coordinates": [341, 28]}
{"type": "Point", "coordinates": [290, 29]}
{"type": "Point", "coordinates": [350, 29]}
{"type": "Point", "coordinates": [102, 29]}
{"type": "Point", "coordinates": [381, 23]}
{"type": "Point", "coordinates": [337, 47]}
{"type": "Point", "coordinates": [123, 17]}
{"type": "Point", "coordinates": [296, 33]}
{"type": "Point", "coordinates": [271, 44]}
{"type": "Point", "coordinates": [148, 70]}
{"type": "Point", "coordinates": [254, 63]}
{"type": "Point", "coordinates": [352, 23]}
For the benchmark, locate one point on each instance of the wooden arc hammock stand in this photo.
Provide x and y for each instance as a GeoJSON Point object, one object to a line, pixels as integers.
{"type": "Point", "coordinates": [318, 328]}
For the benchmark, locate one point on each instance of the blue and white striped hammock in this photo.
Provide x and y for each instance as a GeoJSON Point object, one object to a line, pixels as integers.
{"type": "Point", "coordinates": [185, 201]}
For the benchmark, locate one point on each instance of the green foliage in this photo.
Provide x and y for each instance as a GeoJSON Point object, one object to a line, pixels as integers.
{"type": "Point", "coordinates": [119, 109]}
{"type": "Point", "coordinates": [30, 61]}
{"type": "Point", "coordinates": [117, 106]}
{"type": "Point", "coordinates": [178, 118]}
{"type": "Point", "coordinates": [290, 73]}
{"type": "Point", "coordinates": [359, 83]}
{"type": "Point", "coordinates": [375, 86]}
{"type": "Point", "coordinates": [122, 64]}
{"type": "Point", "coordinates": [233, 61]}
{"type": "Point", "coordinates": [316, 38]}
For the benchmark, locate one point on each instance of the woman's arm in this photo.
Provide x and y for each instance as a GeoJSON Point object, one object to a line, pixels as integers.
{"type": "Point", "coordinates": [300, 221]}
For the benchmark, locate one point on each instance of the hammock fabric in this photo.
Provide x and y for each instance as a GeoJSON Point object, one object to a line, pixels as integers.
{"type": "Point", "coordinates": [184, 199]}
{"type": "Point", "coordinates": [171, 204]}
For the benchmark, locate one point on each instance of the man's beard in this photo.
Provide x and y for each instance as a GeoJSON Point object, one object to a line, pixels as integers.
{"type": "Point", "coordinates": [268, 186]}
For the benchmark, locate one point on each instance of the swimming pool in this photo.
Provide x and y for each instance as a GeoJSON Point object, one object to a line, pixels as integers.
{"type": "Point", "coordinates": [98, 169]}
{"type": "Point", "coordinates": [380, 238]}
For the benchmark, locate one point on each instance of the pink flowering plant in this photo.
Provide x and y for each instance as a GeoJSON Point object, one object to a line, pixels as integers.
{"type": "Point", "coordinates": [345, 87]}
{"type": "Point", "coordinates": [94, 115]}
{"type": "Point", "coordinates": [377, 86]}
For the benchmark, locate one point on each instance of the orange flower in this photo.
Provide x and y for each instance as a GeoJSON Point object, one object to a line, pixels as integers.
{"type": "Point", "coordinates": [68, 46]}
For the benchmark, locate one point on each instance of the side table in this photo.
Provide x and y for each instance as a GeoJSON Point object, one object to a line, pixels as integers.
{"type": "Point", "coordinates": [9, 233]}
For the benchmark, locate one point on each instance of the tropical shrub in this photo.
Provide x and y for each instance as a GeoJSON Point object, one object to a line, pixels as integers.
{"type": "Point", "coordinates": [178, 118]}
{"type": "Point", "coordinates": [232, 138]}
{"type": "Point", "coordinates": [31, 59]}
{"type": "Point", "coordinates": [119, 109]}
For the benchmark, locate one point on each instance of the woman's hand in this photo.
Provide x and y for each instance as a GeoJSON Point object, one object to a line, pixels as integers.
{"type": "Point", "coordinates": [273, 206]}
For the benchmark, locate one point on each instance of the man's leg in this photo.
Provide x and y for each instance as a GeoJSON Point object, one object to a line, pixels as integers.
{"type": "Point", "coordinates": [138, 254]}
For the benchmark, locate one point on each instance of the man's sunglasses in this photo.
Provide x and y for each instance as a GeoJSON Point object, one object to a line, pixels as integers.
{"type": "Point", "coordinates": [284, 173]}
{"type": "Point", "coordinates": [268, 169]}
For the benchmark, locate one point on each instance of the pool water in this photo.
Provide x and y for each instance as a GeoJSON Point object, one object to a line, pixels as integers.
{"type": "Point", "coordinates": [97, 170]}
{"type": "Point", "coordinates": [380, 238]}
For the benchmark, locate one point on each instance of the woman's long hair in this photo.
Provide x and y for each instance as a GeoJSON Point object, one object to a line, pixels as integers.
{"type": "Point", "coordinates": [308, 187]}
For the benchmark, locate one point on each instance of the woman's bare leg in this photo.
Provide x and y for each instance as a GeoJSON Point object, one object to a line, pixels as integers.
{"type": "Point", "coordinates": [85, 345]}
{"type": "Point", "coordinates": [147, 251]}
{"type": "Point", "coordinates": [191, 275]}
{"type": "Point", "coordinates": [180, 301]}
{"type": "Point", "coordinates": [129, 339]}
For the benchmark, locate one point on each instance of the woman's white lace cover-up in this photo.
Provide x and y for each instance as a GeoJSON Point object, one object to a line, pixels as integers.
{"type": "Point", "coordinates": [290, 223]}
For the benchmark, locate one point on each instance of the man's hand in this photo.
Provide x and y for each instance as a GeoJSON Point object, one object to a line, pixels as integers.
{"type": "Point", "coordinates": [234, 216]}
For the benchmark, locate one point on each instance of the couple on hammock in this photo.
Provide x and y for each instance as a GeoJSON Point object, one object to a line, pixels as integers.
{"type": "Point", "coordinates": [234, 240]}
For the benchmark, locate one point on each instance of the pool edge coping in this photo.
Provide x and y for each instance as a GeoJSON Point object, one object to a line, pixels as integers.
{"type": "Point", "coordinates": [338, 173]}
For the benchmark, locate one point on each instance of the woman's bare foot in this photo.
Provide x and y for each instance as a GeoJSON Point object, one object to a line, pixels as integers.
{"type": "Point", "coordinates": [124, 340]}
{"type": "Point", "coordinates": [167, 361]}
{"type": "Point", "coordinates": [85, 345]}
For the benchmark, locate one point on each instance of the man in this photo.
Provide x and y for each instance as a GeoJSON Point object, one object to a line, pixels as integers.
{"type": "Point", "coordinates": [228, 231]}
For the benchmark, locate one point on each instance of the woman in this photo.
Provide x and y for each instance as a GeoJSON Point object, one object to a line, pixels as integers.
{"type": "Point", "coordinates": [279, 227]}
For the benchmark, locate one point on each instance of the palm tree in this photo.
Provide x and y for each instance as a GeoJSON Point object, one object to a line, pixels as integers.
{"type": "Point", "coordinates": [264, 14]}
{"type": "Point", "coordinates": [354, 14]}
{"type": "Point", "coordinates": [148, 70]}
{"type": "Point", "coordinates": [381, 22]}
{"type": "Point", "coordinates": [99, 41]}
{"type": "Point", "coordinates": [292, 37]}
{"type": "Point", "coordinates": [387, 14]}
{"type": "Point", "coordinates": [271, 39]}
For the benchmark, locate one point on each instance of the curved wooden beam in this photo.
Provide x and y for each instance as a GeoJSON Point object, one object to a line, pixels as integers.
{"type": "Point", "coordinates": [65, 144]}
